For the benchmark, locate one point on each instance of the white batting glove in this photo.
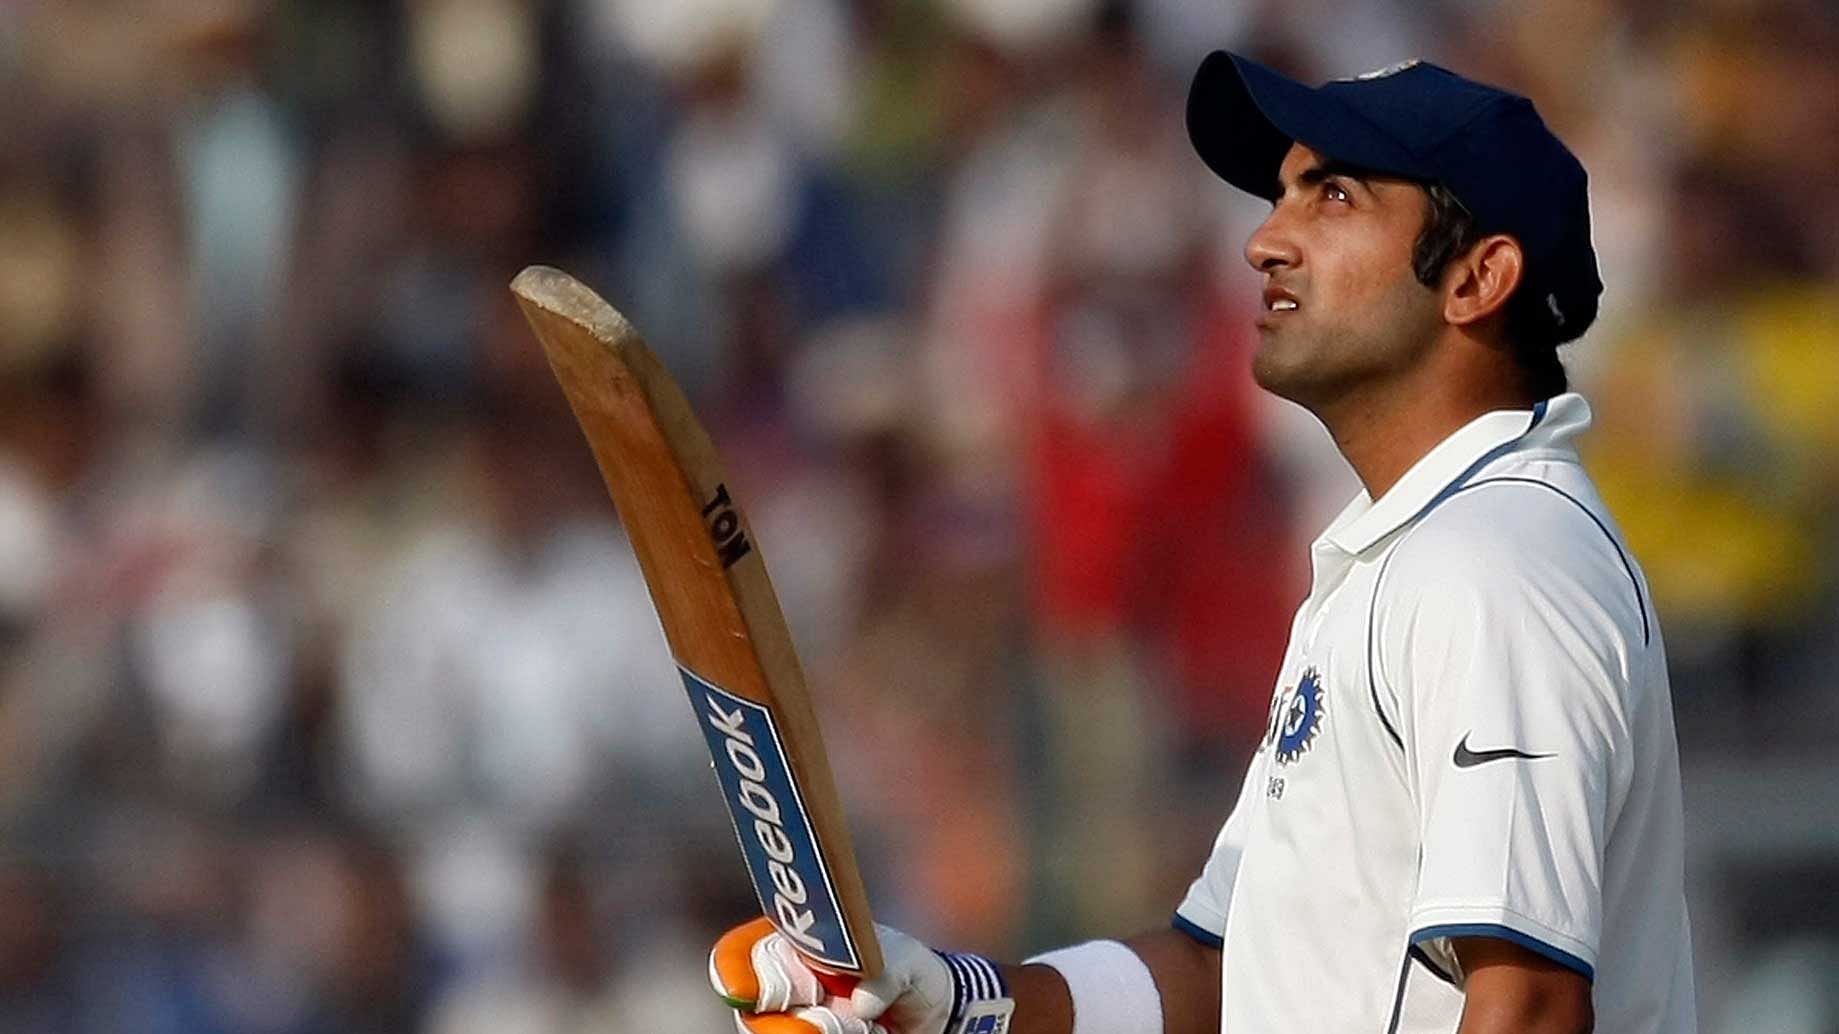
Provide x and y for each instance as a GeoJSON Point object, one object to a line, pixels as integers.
{"type": "Point", "coordinates": [919, 991]}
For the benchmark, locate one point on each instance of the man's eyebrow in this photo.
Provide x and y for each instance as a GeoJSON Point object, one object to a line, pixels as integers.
{"type": "Point", "coordinates": [1323, 170]}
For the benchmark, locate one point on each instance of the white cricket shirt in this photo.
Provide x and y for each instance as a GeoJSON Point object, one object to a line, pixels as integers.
{"type": "Point", "coordinates": [1471, 735]}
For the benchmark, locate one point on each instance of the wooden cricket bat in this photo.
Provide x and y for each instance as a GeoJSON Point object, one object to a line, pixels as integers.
{"type": "Point", "coordinates": [720, 616]}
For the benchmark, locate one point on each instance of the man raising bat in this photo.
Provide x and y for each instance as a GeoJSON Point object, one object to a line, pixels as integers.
{"type": "Point", "coordinates": [1465, 811]}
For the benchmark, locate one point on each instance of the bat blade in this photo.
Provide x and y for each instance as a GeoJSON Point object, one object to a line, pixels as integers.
{"type": "Point", "coordinates": [720, 617]}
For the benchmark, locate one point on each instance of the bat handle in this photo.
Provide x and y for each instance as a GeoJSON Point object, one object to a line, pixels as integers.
{"type": "Point", "coordinates": [838, 984]}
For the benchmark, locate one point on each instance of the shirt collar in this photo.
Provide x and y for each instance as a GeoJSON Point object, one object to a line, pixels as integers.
{"type": "Point", "coordinates": [1451, 463]}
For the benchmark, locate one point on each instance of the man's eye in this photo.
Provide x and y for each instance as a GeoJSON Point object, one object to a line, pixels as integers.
{"type": "Point", "coordinates": [1335, 192]}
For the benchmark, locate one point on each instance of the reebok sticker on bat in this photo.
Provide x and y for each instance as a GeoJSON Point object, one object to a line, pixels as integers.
{"type": "Point", "coordinates": [768, 812]}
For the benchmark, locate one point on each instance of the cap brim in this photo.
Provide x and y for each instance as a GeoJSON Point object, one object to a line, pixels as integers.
{"type": "Point", "coordinates": [1243, 117]}
{"type": "Point", "coordinates": [1230, 131]}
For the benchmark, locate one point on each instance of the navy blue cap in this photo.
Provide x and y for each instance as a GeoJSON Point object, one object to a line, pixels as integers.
{"type": "Point", "coordinates": [1416, 120]}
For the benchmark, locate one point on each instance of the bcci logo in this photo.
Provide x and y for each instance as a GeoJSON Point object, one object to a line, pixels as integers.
{"type": "Point", "coordinates": [1296, 718]}
{"type": "Point", "coordinates": [1383, 73]}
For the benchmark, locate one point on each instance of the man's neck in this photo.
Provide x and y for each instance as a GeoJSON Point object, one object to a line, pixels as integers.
{"type": "Point", "coordinates": [1383, 431]}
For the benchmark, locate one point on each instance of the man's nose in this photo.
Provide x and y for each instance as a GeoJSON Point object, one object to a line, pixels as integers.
{"type": "Point", "coordinates": [1272, 245]}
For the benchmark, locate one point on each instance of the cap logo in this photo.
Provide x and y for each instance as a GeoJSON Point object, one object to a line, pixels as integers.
{"type": "Point", "coordinates": [1381, 73]}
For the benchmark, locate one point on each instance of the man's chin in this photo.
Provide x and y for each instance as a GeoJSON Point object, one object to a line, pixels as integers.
{"type": "Point", "coordinates": [1272, 373]}
{"type": "Point", "coordinates": [1293, 381]}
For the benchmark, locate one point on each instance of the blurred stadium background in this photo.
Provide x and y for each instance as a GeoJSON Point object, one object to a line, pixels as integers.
{"type": "Point", "coordinates": [330, 700]}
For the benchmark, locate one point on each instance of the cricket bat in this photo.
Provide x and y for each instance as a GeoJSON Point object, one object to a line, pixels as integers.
{"type": "Point", "coordinates": [720, 617]}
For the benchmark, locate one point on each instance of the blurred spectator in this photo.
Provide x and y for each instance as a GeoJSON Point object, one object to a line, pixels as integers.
{"type": "Point", "coordinates": [508, 656]}
{"type": "Point", "coordinates": [37, 992]}
{"type": "Point", "coordinates": [1717, 422]}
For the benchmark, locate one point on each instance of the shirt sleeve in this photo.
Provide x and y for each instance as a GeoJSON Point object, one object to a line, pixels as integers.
{"type": "Point", "coordinates": [1505, 645]}
{"type": "Point", "coordinates": [1202, 913]}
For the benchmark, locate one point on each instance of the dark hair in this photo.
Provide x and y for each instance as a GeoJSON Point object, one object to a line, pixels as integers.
{"type": "Point", "coordinates": [1449, 232]}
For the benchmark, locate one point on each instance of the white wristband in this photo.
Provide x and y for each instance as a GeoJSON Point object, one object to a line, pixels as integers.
{"type": "Point", "coordinates": [1113, 991]}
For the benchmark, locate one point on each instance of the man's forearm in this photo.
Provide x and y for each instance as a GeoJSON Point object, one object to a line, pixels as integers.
{"type": "Point", "coordinates": [1186, 972]}
{"type": "Point", "coordinates": [1043, 1004]}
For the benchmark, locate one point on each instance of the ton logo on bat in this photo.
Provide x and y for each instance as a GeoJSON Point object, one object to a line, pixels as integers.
{"type": "Point", "coordinates": [725, 527]}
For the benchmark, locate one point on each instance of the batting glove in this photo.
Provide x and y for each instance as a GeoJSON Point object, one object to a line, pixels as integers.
{"type": "Point", "coordinates": [773, 990]}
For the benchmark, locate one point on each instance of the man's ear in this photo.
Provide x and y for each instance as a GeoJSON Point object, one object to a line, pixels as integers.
{"type": "Point", "coordinates": [1477, 285]}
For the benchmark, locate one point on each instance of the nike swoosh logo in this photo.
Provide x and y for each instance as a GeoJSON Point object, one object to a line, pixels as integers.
{"type": "Point", "coordinates": [1466, 758]}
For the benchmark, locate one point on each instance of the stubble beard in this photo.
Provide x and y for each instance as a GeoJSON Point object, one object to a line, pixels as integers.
{"type": "Point", "coordinates": [1315, 370]}
{"type": "Point", "coordinates": [1320, 368]}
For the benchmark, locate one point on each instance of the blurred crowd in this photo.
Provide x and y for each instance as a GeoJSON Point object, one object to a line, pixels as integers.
{"type": "Point", "coordinates": [330, 696]}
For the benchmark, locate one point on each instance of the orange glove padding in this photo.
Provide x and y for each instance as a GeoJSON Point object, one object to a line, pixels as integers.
{"type": "Point", "coordinates": [777, 1023]}
{"type": "Point", "coordinates": [772, 990]}
{"type": "Point", "coordinates": [731, 964]}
